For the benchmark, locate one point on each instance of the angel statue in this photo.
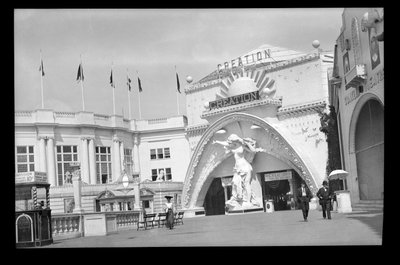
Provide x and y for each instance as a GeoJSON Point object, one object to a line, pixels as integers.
{"type": "Point", "coordinates": [244, 151]}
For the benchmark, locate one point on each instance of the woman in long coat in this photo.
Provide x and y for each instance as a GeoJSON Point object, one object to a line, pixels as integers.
{"type": "Point", "coordinates": [169, 209]}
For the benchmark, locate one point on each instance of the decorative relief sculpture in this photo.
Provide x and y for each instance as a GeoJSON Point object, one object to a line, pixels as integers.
{"type": "Point", "coordinates": [244, 151]}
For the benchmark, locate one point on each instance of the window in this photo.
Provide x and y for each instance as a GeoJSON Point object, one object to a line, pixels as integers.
{"type": "Point", "coordinates": [65, 155]}
{"type": "Point", "coordinates": [166, 153]}
{"type": "Point", "coordinates": [166, 172]}
{"type": "Point", "coordinates": [25, 159]}
{"type": "Point", "coordinates": [128, 161]}
{"type": "Point", "coordinates": [160, 153]}
{"type": "Point", "coordinates": [103, 165]}
{"type": "Point", "coordinates": [146, 204]}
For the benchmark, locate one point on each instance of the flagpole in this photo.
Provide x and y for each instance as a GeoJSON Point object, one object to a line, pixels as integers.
{"type": "Point", "coordinates": [129, 94]}
{"type": "Point", "coordinates": [113, 86]}
{"type": "Point", "coordinates": [177, 96]}
{"type": "Point", "coordinates": [41, 78]}
{"type": "Point", "coordinates": [140, 112]}
{"type": "Point", "coordinates": [83, 98]}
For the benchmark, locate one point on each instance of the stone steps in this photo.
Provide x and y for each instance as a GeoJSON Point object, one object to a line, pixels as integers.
{"type": "Point", "coordinates": [368, 205]}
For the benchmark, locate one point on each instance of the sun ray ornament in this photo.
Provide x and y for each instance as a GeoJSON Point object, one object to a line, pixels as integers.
{"type": "Point", "coordinates": [243, 83]}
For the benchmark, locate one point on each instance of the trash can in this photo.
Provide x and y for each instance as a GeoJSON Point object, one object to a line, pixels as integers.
{"type": "Point", "coordinates": [269, 206]}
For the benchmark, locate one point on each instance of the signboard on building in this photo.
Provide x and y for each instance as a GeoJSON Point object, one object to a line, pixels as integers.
{"type": "Point", "coordinates": [234, 100]}
{"type": "Point", "coordinates": [247, 59]}
{"type": "Point", "coordinates": [33, 176]}
{"type": "Point", "coordinates": [278, 176]}
{"type": "Point", "coordinates": [374, 49]}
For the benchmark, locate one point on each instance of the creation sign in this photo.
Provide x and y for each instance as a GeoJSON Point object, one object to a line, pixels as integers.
{"type": "Point", "coordinates": [234, 100]}
{"type": "Point", "coordinates": [250, 58]}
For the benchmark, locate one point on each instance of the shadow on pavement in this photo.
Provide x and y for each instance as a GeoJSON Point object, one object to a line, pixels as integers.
{"type": "Point", "coordinates": [374, 219]}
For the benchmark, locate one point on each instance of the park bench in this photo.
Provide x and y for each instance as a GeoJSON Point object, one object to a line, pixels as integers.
{"type": "Point", "coordinates": [179, 218]}
{"type": "Point", "coordinates": [147, 218]}
{"type": "Point", "coordinates": [161, 219]}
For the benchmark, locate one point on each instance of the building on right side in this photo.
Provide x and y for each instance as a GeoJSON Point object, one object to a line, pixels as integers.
{"type": "Point", "coordinates": [356, 91]}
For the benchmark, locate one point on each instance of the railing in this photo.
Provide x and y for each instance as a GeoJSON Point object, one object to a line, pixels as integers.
{"type": "Point", "coordinates": [101, 117]}
{"type": "Point", "coordinates": [23, 113]}
{"type": "Point", "coordinates": [66, 225]}
{"type": "Point", "coordinates": [156, 121]}
{"type": "Point", "coordinates": [127, 219]}
{"type": "Point", "coordinates": [64, 114]}
{"type": "Point", "coordinates": [70, 225]}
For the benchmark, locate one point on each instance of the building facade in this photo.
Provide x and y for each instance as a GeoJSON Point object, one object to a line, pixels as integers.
{"type": "Point", "coordinates": [273, 96]}
{"type": "Point", "coordinates": [105, 147]}
{"type": "Point", "coordinates": [357, 93]}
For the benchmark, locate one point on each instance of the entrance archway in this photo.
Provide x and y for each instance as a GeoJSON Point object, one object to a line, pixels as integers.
{"type": "Point", "coordinates": [206, 157]}
{"type": "Point", "coordinates": [369, 150]}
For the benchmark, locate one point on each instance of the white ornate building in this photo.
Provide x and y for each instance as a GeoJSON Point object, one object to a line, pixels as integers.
{"type": "Point", "coordinates": [104, 146]}
{"type": "Point", "coordinates": [273, 97]}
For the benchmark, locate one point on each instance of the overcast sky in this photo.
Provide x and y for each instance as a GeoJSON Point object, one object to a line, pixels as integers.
{"type": "Point", "coordinates": [152, 42]}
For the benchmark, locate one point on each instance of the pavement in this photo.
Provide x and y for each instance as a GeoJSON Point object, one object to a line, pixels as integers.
{"type": "Point", "coordinates": [281, 228]}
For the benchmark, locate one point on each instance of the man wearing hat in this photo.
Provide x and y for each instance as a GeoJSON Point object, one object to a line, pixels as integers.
{"type": "Point", "coordinates": [169, 209]}
{"type": "Point", "coordinates": [325, 196]}
{"type": "Point", "coordinates": [303, 197]}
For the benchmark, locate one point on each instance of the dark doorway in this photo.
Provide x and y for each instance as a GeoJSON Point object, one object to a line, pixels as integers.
{"type": "Point", "coordinates": [369, 149]}
{"type": "Point", "coordinates": [214, 203]}
{"type": "Point", "coordinates": [277, 191]}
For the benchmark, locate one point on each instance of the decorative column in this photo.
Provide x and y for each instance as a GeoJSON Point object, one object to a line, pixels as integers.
{"type": "Point", "coordinates": [92, 161]}
{"type": "Point", "coordinates": [135, 153]}
{"type": "Point", "coordinates": [51, 166]}
{"type": "Point", "coordinates": [121, 154]}
{"type": "Point", "coordinates": [47, 198]}
{"type": "Point", "coordinates": [85, 160]}
{"type": "Point", "coordinates": [42, 154]}
{"type": "Point", "coordinates": [117, 160]}
{"type": "Point", "coordinates": [34, 197]}
{"type": "Point", "coordinates": [76, 182]}
{"type": "Point", "coordinates": [136, 191]}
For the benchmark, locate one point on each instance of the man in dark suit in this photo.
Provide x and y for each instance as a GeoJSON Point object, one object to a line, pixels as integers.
{"type": "Point", "coordinates": [303, 197]}
{"type": "Point", "coordinates": [325, 195]}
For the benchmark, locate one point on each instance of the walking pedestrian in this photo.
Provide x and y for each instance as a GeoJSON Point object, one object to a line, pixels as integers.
{"type": "Point", "coordinates": [169, 209]}
{"type": "Point", "coordinates": [303, 197]}
{"type": "Point", "coordinates": [324, 195]}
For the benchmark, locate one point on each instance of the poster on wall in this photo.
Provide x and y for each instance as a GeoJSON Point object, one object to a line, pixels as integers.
{"type": "Point", "coordinates": [374, 49]}
{"type": "Point", "coordinates": [69, 205]}
{"type": "Point", "coordinates": [346, 62]}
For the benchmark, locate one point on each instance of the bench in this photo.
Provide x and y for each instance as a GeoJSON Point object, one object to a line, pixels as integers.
{"type": "Point", "coordinates": [162, 217]}
{"type": "Point", "coordinates": [147, 218]}
{"type": "Point", "coordinates": [179, 218]}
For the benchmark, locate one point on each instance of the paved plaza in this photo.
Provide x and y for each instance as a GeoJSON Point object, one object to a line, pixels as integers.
{"type": "Point", "coordinates": [283, 228]}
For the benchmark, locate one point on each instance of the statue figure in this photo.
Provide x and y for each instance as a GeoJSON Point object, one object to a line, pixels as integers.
{"type": "Point", "coordinates": [244, 151]}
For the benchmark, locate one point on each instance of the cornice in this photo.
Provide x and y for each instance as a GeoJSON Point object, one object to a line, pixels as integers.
{"type": "Point", "coordinates": [213, 78]}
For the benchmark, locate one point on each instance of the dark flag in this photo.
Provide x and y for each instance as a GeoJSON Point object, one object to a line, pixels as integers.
{"type": "Point", "coordinates": [129, 83]}
{"type": "Point", "coordinates": [111, 80]}
{"type": "Point", "coordinates": [41, 67]}
{"type": "Point", "coordinates": [139, 84]}
{"type": "Point", "coordinates": [80, 76]}
{"type": "Point", "coordinates": [177, 83]}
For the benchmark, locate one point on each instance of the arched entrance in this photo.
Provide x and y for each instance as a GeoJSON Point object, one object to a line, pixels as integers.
{"type": "Point", "coordinates": [369, 150]}
{"type": "Point", "coordinates": [206, 157]}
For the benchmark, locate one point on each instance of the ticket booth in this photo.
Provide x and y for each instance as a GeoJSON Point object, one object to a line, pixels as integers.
{"type": "Point", "coordinates": [32, 218]}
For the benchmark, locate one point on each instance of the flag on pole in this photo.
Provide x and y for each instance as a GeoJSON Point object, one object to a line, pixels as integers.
{"type": "Point", "coordinates": [80, 76]}
{"type": "Point", "coordinates": [128, 82]}
{"type": "Point", "coordinates": [111, 80]}
{"type": "Point", "coordinates": [177, 83]}
{"type": "Point", "coordinates": [41, 69]}
{"type": "Point", "coordinates": [139, 84]}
